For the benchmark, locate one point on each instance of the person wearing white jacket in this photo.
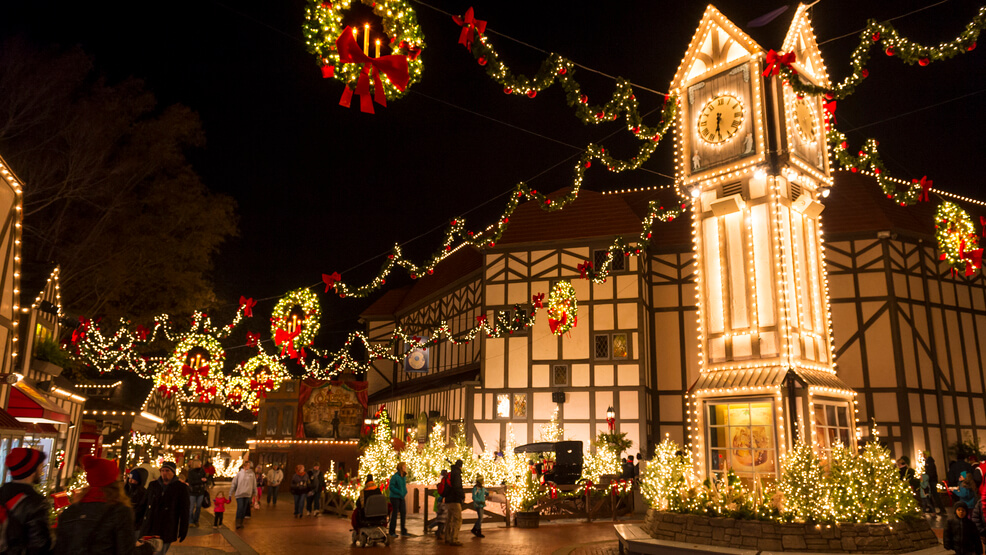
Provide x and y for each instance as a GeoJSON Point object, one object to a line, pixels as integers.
{"type": "Point", "coordinates": [244, 490]}
{"type": "Point", "coordinates": [274, 478]}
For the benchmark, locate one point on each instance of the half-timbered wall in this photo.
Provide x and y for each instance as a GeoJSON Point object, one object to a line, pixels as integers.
{"type": "Point", "coordinates": [459, 309]}
{"type": "Point", "coordinates": [523, 366]}
{"type": "Point", "coordinates": [674, 342]}
{"type": "Point", "coordinates": [911, 339]}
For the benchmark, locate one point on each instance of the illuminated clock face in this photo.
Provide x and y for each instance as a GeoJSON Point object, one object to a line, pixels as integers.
{"type": "Point", "coordinates": [720, 119]}
{"type": "Point", "coordinates": [805, 121]}
{"type": "Point", "coordinates": [416, 359]}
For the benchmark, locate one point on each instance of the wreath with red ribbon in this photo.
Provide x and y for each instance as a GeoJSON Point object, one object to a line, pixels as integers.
{"type": "Point", "coordinates": [339, 55]}
{"type": "Point", "coordinates": [291, 333]}
{"type": "Point", "coordinates": [563, 308]}
{"type": "Point", "coordinates": [198, 379]}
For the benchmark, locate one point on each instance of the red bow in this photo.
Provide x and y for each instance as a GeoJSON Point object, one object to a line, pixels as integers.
{"type": "Point", "coordinates": [553, 324]}
{"type": "Point", "coordinates": [247, 306]}
{"type": "Point", "coordinates": [974, 260]}
{"type": "Point", "coordinates": [252, 339]}
{"type": "Point", "coordinates": [257, 385]}
{"type": "Point", "coordinates": [393, 66]}
{"type": "Point", "coordinates": [142, 332]}
{"type": "Point", "coordinates": [775, 60]}
{"type": "Point", "coordinates": [538, 300]}
{"type": "Point", "coordinates": [469, 24]}
{"type": "Point", "coordinates": [982, 222]}
{"type": "Point", "coordinates": [481, 319]}
{"type": "Point", "coordinates": [830, 108]}
{"type": "Point", "coordinates": [925, 187]}
{"type": "Point", "coordinates": [584, 268]}
{"type": "Point", "coordinates": [330, 280]}
{"type": "Point", "coordinates": [187, 370]}
{"type": "Point", "coordinates": [285, 339]}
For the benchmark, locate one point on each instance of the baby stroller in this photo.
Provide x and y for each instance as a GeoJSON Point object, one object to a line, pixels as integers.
{"type": "Point", "coordinates": [371, 522]}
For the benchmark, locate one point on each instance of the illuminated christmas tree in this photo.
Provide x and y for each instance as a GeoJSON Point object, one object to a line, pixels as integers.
{"type": "Point", "coordinates": [805, 489]}
{"type": "Point", "coordinates": [379, 458]}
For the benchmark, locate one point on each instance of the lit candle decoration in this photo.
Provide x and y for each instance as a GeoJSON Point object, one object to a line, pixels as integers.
{"type": "Point", "coordinates": [377, 55]}
{"type": "Point", "coordinates": [366, 39]}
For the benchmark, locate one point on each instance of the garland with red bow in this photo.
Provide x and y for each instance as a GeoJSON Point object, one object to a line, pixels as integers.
{"type": "Point", "coordinates": [958, 244]}
{"type": "Point", "coordinates": [339, 56]}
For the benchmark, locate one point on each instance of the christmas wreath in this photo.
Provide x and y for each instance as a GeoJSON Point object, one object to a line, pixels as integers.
{"type": "Point", "coordinates": [258, 376]}
{"type": "Point", "coordinates": [957, 242]}
{"type": "Point", "coordinates": [194, 369]}
{"type": "Point", "coordinates": [563, 308]}
{"type": "Point", "coordinates": [293, 330]}
{"type": "Point", "coordinates": [338, 53]}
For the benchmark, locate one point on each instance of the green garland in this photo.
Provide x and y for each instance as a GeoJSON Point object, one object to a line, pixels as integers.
{"type": "Point", "coordinates": [323, 25]}
{"type": "Point", "coordinates": [892, 44]}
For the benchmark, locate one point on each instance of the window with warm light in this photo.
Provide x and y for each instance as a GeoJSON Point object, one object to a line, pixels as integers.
{"type": "Point", "coordinates": [611, 346]}
{"type": "Point", "coordinates": [503, 405]}
{"type": "Point", "coordinates": [833, 424]}
{"type": "Point", "coordinates": [742, 439]}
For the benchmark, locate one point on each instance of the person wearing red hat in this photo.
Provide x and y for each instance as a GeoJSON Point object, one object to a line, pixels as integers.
{"type": "Point", "coordinates": [101, 522]}
{"type": "Point", "coordinates": [27, 510]}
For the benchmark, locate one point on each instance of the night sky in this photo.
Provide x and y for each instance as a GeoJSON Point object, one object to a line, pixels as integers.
{"type": "Point", "coordinates": [323, 188]}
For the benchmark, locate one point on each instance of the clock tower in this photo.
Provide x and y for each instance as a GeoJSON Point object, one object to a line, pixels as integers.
{"type": "Point", "coordinates": [753, 157]}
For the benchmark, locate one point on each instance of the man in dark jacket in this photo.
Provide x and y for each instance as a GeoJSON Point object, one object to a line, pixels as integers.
{"type": "Point", "coordinates": [197, 483]}
{"type": "Point", "coordinates": [317, 481]}
{"type": "Point", "coordinates": [455, 496]}
{"type": "Point", "coordinates": [27, 510]}
{"type": "Point", "coordinates": [166, 513]}
{"type": "Point", "coordinates": [932, 470]}
{"type": "Point", "coordinates": [137, 493]}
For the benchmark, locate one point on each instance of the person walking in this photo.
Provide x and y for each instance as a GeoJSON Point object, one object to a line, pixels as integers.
{"type": "Point", "coordinates": [932, 469]}
{"type": "Point", "coordinates": [300, 485]}
{"type": "Point", "coordinates": [101, 521]}
{"type": "Point", "coordinates": [398, 491]}
{"type": "Point", "coordinates": [479, 503]}
{"type": "Point", "coordinates": [960, 534]}
{"type": "Point", "coordinates": [242, 489]}
{"type": "Point", "coordinates": [197, 490]}
{"type": "Point", "coordinates": [454, 498]}
{"type": "Point", "coordinates": [137, 494]}
{"type": "Point", "coordinates": [219, 509]}
{"type": "Point", "coordinates": [27, 510]}
{"type": "Point", "coordinates": [274, 478]}
{"type": "Point", "coordinates": [317, 482]}
{"type": "Point", "coordinates": [166, 510]}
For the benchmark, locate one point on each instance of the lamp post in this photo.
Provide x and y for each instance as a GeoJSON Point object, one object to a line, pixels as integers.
{"type": "Point", "coordinates": [611, 418]}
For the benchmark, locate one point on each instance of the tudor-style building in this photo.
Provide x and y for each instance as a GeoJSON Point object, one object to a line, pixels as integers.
{"type": "Point", "coordinates": [763, 315]}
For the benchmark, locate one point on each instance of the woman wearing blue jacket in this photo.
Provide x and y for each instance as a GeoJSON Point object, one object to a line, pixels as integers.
{"type": "Point", "coordinates": [398, 490]}
{"type": "Point", "coordinates": [478, 503]}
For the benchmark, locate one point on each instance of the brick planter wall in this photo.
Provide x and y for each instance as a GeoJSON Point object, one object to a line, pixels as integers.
{"type": "Point", "coordinates": [902, 537]}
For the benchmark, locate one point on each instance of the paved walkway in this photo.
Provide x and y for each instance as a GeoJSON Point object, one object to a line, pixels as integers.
{"type": "Point", "coordinates": [273, 530]}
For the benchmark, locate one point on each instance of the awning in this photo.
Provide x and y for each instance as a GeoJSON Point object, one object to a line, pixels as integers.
{"type": "Point", "coordinates": [767, 378]}
{"type": "Point", "coordinates": [27, 404]}
{"type": "Point", "coordinates": [42, 429]}
{"type": "Point", "coordinates": [9, 423]}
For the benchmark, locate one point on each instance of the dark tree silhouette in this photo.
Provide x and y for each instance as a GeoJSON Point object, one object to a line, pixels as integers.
{"type": "Point", "coordinates": [109, 193]}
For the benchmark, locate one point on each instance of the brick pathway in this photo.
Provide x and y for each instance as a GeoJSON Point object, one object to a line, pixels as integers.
{"type": "Point", "coordinates": [274, 531]}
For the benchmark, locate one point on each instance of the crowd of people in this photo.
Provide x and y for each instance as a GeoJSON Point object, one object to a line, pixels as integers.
{"type": "Point", "coordinates": [145, 512]}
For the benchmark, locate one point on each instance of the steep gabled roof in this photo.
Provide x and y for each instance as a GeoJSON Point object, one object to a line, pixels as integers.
{"type": "Point", "coordinates": [716, 42]}
{"type": "Point", "coordinates": [801, 40]}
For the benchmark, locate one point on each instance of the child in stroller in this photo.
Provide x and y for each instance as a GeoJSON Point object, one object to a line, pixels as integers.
{"type": "Point", "coordinates": [370, 517]}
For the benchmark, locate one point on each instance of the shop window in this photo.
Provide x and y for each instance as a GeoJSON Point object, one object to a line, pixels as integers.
{"type": "Point", "coordinates": [611, 346]}
{"type": "Point", "coordinates": [833, 425]}
{"type": "Point", "coordinates": [503, 405]}
{"type": "Point", "coordinates": [520, 405]}
{"type": "Point", "coordinates": [559, 375]}
{"type": "Point", "coordinates": [619, 263]}
{"type": "Point", "coordinates": [272, 421]}
{"type": "Point", "coordinates": [741, 438]}
{"type": "Point", "coordinates": [287, 423]}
